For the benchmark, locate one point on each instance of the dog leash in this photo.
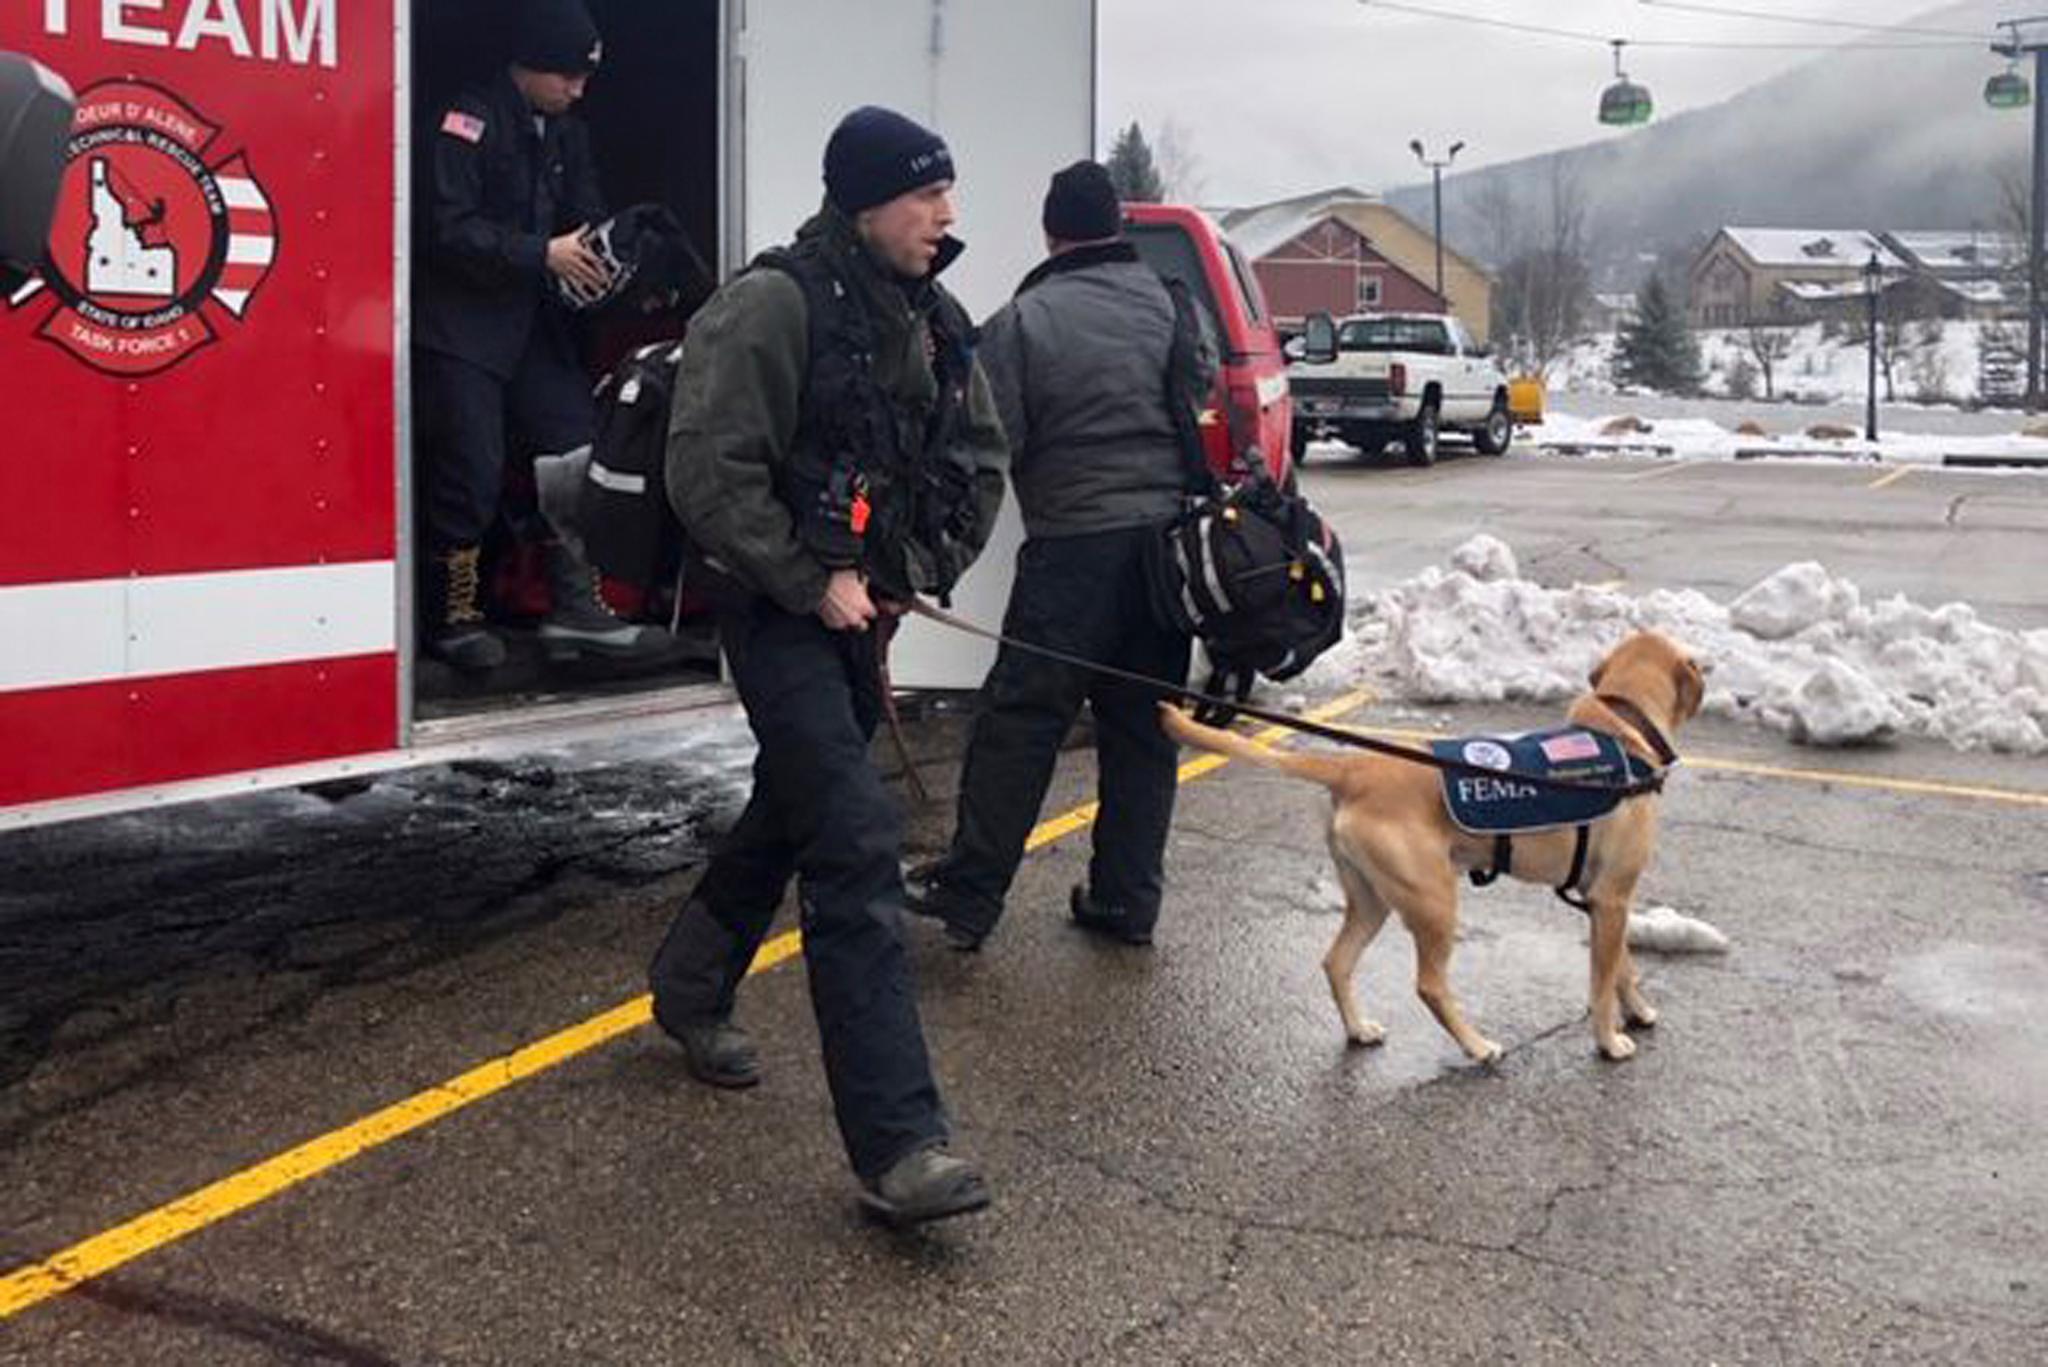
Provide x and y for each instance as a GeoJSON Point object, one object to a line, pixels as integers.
{"type": "Point", "coordinates": [1631, 788]}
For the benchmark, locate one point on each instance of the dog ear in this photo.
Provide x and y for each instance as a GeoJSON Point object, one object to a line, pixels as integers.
{"type": "Point", "coordinates": [1692, 686]}
{"type": "Point", "coordinates": [1593, 679]}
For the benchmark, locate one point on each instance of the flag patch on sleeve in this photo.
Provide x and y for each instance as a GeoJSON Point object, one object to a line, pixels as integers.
{"type": "Point", "coordinates": [468, 127]}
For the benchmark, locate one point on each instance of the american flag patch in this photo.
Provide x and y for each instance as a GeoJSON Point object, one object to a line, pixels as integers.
{"type": "Point", "coordinates": [468, 127]}
{"type": "Point", "coordinates": [1570, 746]}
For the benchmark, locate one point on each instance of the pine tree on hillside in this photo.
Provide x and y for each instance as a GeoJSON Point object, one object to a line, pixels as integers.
{"type": "Point", "coordinates": [1132, 169]}
{"type": "Point", "coordinates": [1657, 349]}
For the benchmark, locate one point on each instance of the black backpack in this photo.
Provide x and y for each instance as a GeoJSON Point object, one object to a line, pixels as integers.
{"type": "Point", "coordinates": [1249, 569]}
{"type": "Point", "coordinates": [628, 527]}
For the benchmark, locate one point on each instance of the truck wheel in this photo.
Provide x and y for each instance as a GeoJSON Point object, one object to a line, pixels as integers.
{"type": "Point", "coordinates": [1420, 437]}
{"type": "Point", "coordinates": [1493, 437]}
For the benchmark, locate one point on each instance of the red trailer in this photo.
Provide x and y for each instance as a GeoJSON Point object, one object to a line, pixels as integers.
{"type": "Point", "coordinates": [206, 464]}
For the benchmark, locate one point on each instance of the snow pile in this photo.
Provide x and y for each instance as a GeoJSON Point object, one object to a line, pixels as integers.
{"type": "Point", "coordinates": [1704, 439]}
{"type": "Point", "coordinates": [1800, 652]}
{"type": "Point", "coordinates": [1665, 930]}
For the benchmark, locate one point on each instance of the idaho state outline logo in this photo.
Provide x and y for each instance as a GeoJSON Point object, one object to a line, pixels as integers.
{"type": "Point", "coordinates": [147, 231]}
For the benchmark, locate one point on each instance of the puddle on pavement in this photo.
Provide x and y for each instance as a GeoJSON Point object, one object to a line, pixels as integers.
{"type": "Point", "coordinates": [1975, 982]}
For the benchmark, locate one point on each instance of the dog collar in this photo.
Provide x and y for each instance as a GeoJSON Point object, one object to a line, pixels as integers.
{"type": "Point", "coordinates": [1632, 717]}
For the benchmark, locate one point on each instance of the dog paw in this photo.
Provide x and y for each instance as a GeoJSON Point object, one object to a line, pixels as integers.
{"type": "Point", "coordinates": [1644, 1016]}
{"type": "Point", "coordinates": [1488, 1053]}
{"type": "Point", "coordinates": [1367, 1035]}
{"type": "Point", "coordinates": [1618, 1048]}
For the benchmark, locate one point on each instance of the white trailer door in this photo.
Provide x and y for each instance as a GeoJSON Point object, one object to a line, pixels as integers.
{"type": "Point", "coordinates": [1010, 86]}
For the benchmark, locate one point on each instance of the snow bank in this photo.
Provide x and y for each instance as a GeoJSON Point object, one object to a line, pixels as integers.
{"type": "Point", "coordinates": [1704, 439]}
{"type": "Point", "coordinates": [1800, 652]}
{"type": "Point", "coordinates": [1938, 364]}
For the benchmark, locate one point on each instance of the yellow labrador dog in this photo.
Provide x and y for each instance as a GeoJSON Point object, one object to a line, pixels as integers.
{"type": "Point", "coordinates": [1396, 847]}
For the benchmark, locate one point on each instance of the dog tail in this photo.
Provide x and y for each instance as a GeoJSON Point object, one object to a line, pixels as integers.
{"type": "Point", "coordinates": [1327, 770]}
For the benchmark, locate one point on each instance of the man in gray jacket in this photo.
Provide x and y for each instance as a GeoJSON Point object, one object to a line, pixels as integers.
{"type": "Point", "coordinates": [1079, 364]}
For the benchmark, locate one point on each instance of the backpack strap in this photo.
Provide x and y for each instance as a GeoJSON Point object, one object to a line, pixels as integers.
{"type": "Point", "coordinates": [1183, 406]}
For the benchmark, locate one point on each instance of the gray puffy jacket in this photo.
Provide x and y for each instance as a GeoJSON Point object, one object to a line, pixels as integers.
{"type": "Point", "coordinates": [1077, 362]}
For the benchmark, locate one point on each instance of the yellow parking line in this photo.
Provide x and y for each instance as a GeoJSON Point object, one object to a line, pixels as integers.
{"type": "Point", "coordinates": [1893, 478]}
{"type": "Point", "coordinates": [34, 1283]}
{"type": "Point", "coordinates": [2019, 797]}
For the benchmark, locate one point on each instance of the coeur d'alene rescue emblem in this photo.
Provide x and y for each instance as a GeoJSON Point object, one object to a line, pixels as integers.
{"type": "Point", "coordinates": [148, 232]}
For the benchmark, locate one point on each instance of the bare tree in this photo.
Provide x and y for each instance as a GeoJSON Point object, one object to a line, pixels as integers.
{"type": "Point", "coordinates": [1893, 345]}
{"type": "Point", "coordinates": [1500, 221]}
{"type": "Point", "coordinates": [1768, 346]}
{"type": "Point", "coordinates": [1181, 176]}
{"type": "Point", "coordinates": [1556, 282]}
{"type": "Point", "coordinates": [2015, 196]}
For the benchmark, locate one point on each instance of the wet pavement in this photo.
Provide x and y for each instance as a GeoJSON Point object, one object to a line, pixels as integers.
{"type": "Point", "coordinates": [1827, 1151]}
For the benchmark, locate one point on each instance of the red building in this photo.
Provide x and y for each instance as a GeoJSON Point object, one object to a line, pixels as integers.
{"type": "Point", "coordinates": [1343, 251]}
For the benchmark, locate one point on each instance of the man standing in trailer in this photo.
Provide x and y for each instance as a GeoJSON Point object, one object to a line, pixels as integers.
{"type": "Point", "coordinates": [513, 185]}
{"type": "Point", "coordinates": [834, 450]}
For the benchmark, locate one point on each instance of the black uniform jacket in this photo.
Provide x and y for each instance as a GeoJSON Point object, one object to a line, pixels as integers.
{"type": "Point", "coordinates": [498, 188]}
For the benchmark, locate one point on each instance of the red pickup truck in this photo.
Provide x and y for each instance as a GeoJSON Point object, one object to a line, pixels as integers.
{"type": "Point", "coordinates": [1252, 413]}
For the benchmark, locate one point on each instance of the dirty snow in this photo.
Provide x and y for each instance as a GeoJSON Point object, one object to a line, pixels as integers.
{"type": "Point", "coordinates": [1801, 652]}
{"type": "Point", "coordinates": [1665, 930]}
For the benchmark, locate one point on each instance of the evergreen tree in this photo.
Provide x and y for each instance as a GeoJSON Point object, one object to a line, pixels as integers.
{"type": "Point", "coordinates": [1657, 349]}
{"type": "Point", "coordinates": [1132, 169]}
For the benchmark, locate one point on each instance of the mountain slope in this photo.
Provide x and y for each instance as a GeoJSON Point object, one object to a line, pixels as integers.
{"type": "Point", "coordinates": [1855, 139]}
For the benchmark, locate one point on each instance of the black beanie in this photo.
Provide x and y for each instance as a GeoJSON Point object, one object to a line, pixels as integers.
{"type": "Point", "coordinates": [557, 36]}
{"type": "Point", "coordinates": [876, 154]}
{"type": "Point", "coordinates": [1082, 206]}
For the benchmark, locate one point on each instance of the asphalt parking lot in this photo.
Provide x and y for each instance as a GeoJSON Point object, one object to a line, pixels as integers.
{"type": "Point", "coordinates": [1827, 1151]}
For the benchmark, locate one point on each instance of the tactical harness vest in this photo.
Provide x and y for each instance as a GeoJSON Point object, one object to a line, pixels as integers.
{"type": "Point", "coordinates": [873, 480]}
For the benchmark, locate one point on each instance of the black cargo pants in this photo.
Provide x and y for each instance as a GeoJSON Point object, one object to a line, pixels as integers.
{"type": "Point", "coordinates": [818, 811]}
{"type": "Point", "coordinates": [1085, 595]}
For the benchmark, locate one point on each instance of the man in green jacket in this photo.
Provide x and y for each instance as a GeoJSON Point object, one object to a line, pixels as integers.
{"type": "Point", "coordinates": [833, 451]}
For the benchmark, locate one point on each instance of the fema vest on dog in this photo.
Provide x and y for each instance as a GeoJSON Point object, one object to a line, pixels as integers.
{"type": "Point", "coordinates": [1485, 805]}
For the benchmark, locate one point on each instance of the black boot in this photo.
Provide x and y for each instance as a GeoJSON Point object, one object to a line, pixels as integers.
{"type": "Point", "coordinates": [931, 901]}
{"type": "Point", "coordinates": [580, 622]}
{"type": "Point", "coordinates": [455, 627]}
{"type": "Point", "coordinates": [926, 1184]}
{"type": "Point", "coordinates": [717, 1052]}
{"type": "Point", "coordinates": [1112, 922]}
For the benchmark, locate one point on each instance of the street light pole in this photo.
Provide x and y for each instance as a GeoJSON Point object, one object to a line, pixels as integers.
{"type": "Point", "coordinates": [2037, 217]}
{"type": "Point", "coordinates": [1436, 176]}
{"type": "Point", "coordinates": [1873, 275]}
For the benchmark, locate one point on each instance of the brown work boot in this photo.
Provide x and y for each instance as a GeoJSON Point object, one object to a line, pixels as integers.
{"type": "Point", "coordinates": [456, 631]}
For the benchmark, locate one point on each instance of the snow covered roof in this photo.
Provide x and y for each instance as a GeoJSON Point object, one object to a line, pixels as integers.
{"type": "Point", "coordinates": [1816, 291]}
{"type": "Point", "coordinates": [1620, 303]}
{"type": "Point", "coordinates": [1960, 252]}
{"type": "Point", "coordinates": [1808, 247]}
{"type": "Point", "coordinates": [1264, 228]}
{"type": "Point", "coordinates": [1980, 291]}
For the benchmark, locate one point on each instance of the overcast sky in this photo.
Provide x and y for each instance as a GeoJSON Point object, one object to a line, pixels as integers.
{"type": "Point", "coordinates": [1280, 97]}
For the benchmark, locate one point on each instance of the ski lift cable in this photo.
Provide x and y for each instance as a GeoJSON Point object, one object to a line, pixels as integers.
{"type": "Point", "coordinates": [1808, 21]}
{"type": "Point", "coordinates": [1683, 44]}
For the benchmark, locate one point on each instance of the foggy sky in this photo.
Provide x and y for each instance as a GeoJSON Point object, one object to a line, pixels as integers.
{"type": "Point", "coordinates": [1279, 97]}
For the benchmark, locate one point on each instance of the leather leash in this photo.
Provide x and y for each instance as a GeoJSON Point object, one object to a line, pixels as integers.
{"type": "Point", "coordinates": [1630, 788]}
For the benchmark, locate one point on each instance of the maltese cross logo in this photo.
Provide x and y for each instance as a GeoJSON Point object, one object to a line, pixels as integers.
{"type": "Point", "coordinates": [155, 247]}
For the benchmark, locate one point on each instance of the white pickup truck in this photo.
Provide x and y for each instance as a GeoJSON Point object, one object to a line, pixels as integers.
{"type": "Point", "coordinates": [1403, 377]}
